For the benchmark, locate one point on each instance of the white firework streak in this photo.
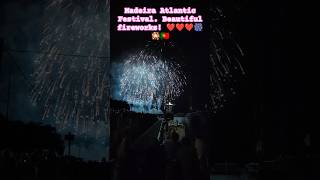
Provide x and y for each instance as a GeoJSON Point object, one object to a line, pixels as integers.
{"type": "Point", "coordinates": [224, 55]}
{"type": "Point", "coordinates": [71, 77]}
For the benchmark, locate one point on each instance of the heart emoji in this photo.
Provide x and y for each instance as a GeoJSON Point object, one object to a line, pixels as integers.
{"type": "Point", "coordinates": [179, 26]}
{"type": "Point", "coordinates": [170, 27]}
{"type": "Point", "coordinates": [189, 26]}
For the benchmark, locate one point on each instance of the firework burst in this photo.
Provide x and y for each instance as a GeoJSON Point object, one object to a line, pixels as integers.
{"type": "Point", "coordinates": [148, 79]}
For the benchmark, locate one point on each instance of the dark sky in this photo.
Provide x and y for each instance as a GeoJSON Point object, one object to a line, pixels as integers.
{"type": "Point", "coordinates": [273, 97]}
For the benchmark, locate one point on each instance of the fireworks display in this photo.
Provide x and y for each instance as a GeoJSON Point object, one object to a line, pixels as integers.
{"type": "Point", "coordinates": [71, 77]}
{"type": "Point", "coordinates": [224, 54]}
{"type": "Point", "coordinates": [148, 79]}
